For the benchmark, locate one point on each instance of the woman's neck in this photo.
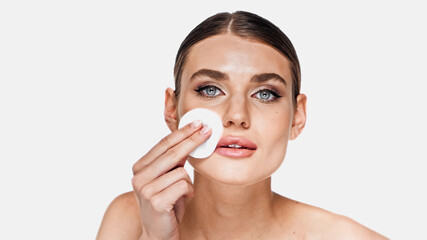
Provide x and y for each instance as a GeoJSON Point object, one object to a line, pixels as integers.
{"type": "Point", "coordinates": [221, 211]}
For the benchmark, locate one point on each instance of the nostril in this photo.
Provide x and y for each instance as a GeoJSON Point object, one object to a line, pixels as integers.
{"type": "Point", "coordinates": [243, 124]}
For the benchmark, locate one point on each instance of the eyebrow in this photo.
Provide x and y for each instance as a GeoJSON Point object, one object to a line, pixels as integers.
{"type": "Point", "coordinates": [217, 75]}
{"type": "Point", "coordinates": [263, 77]}
{"type": "Point", "coordinates": [220, 76]}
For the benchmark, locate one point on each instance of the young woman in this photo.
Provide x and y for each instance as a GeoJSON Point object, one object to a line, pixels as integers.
{"type": "Point", "coordinates": [246, 70]}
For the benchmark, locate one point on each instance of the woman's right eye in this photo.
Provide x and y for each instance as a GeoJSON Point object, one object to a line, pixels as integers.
{"type": "Point", "coordinates": [208, 91]}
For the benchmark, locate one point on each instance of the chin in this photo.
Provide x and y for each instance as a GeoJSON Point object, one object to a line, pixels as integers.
{"type": "Point", "coordinates": [233, 172]}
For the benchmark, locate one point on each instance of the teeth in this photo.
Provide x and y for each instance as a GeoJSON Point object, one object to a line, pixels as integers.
{"type": "Point", "coordinates": [234, 146]}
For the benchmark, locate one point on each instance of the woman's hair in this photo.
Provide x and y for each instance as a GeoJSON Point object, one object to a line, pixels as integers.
{"type": "Point", "coordinates": [245, 25]}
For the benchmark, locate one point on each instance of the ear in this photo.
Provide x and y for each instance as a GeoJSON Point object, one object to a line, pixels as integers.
{"type": "Point", "coordinates": [170, 109]}
{"type": "Point", "coordinates": [300, 116]}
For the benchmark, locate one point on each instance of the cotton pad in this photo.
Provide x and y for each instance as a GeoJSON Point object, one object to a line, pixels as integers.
{"type": "Point", "coordinates": [209, 118]}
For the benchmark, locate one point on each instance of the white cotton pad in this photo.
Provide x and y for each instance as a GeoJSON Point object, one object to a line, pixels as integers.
{"type": "Point", "coordinates": [208, 118]}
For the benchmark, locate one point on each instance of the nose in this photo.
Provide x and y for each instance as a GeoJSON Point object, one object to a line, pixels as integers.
{"type": "Point", "coordinates": [236, 113]}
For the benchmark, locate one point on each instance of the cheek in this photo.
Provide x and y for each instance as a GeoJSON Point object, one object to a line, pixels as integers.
{"type": "Point", "coordinates": [274, 127]}
{"type": "Point", "coordinates": [188, 101]}
{"type": "Point", "coordinates": [184, 105]}
{"type": "Point", "coordinates": [274, 133]}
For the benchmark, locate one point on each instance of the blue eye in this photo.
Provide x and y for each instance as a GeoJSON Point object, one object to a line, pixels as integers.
{"type": "Point", "coordinates": [209, 91]}
{"type": "Point", "coordinates": [267, 95]}
{"type": "Point", "coordinates": [264, 95]}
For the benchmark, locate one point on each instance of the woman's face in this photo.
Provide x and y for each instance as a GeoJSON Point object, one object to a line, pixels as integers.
{"type": "Point", "coordinates": [248, 84]}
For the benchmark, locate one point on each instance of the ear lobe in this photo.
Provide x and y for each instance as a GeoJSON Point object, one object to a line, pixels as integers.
{"type": "Point", "coordinates": [170, 109]}
{"type": "Point", "coordinates": [300, 117]}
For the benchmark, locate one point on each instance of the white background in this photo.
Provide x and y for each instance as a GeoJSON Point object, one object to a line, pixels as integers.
{"type": "Point", "coordinates": [81, 99]}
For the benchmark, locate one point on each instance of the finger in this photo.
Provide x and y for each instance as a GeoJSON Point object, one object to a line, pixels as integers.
{"type": "Point", "coordinates": [146, 191]}
{"type": "Point", "coordinates": [165, 200]}
{"type": "Point", "coordinates": [166, 143]}
{"type": "Point", "coordinates": [179, 209]}
{"type": "Point", "coordinates": [173, 156]}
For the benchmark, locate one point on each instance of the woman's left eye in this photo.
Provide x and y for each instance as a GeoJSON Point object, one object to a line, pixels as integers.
{"type": "Point", "coordinates": [209, 91]}
{"type": "Point", "coordinates": [266, 95]}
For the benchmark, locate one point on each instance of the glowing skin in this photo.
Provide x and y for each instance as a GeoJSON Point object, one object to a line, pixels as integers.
{"type": "Point", "coordinates": [266, 123]}
{"type": "Point", "coordinates": [232, 190]}
{"type": "Point", "coordinates": [249, 85]}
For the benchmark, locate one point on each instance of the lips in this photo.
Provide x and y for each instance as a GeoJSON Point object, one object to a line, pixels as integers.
{"type": "Point", "coordinates": [236, 147]}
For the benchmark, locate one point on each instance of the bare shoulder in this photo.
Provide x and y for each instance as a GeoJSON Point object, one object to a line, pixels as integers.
{"type": "Point", "coordinates": [121, 219]}
{"type": "Point", "coordinates": [342, 227]}
{"type": "Point", "coordinates": [310, 222]}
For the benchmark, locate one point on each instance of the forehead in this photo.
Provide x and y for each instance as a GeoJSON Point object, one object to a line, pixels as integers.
{"type": "Point", "coordinates": [237, 57]}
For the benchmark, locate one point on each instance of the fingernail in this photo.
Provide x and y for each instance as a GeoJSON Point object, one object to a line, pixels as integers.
{"type": "Point", "coordinates": [205, 129]}
{"type": "Point", "coordinates": [196, 124]}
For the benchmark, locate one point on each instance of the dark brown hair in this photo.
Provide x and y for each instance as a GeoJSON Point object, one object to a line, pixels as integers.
{"type": "Point", "coordinates": [245, 25]}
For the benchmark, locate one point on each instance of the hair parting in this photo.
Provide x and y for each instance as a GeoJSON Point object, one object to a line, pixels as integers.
{"type": "Point", "coordinates": [245, 25]}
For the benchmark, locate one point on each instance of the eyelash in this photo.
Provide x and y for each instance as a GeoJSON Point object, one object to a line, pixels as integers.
{"type": "Point", "coordinates": [275, 94]}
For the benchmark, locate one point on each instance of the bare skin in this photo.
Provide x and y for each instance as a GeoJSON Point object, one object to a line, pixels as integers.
{"type": "Point", "coordinates": [121, 221]}
{"type": "Point", "coordinates": [230, 198]}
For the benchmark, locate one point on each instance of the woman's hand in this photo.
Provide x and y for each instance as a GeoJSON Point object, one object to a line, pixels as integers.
{"type": "Point", "coordinates": [160, 182]}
